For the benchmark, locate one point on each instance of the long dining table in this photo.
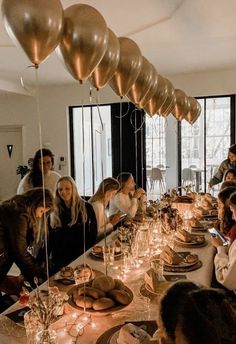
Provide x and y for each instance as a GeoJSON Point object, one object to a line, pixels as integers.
{"type": "Point", "coordinates": [144, 305]}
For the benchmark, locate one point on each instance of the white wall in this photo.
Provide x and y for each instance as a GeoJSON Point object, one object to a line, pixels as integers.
{"type": "Point", "coordinates": [54, 102]}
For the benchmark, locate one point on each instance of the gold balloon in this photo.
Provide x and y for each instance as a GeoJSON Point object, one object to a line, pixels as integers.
{"type": "Point", "coordinates": [194, 110]}
{"type": "Point", "coordinates": [169, 103]}
{"type": "Point", "coordinates": [107, 67]}
{"type": "Point", "coordinates": [35, 25]}
{"type": "Point", "coordinates": [182, 105]}
{"type": "Point", "coordinates": [128, 68]}
{"type": "Point", "coordinates": [84, 40]}
{"type": "Point", "coordinates": [143, 82]}
{"type": "Point", "coordinates": [152, 90]}
{"type": "Point", "coordinates": [159, 97]}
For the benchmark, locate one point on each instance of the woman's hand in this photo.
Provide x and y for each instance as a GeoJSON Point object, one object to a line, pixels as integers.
{"type": "Point", "coordinates": [216, 242]}
{"type": "Point", "coordinates": [139, 193]}
{"type": "Point", "coordinates": [114, 219]}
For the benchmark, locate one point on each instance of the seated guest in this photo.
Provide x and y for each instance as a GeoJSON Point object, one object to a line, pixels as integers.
{"type": "Point", "coordinates": [106, 190]}
{"type": "Point", "coordinates": [227, 223]}
{"type": "Point", "coordinates": [229, 163]}
{"type": "Point", "coordinates": [225, 259]}
{"type": "Point", "coordinates": [73, 224]}
{"type": "Point", "coordinates": [22, 233]}
{"type": "Point", "coordinates": [227, 183]}
{"type": "Point", "coordinates": [190, 314]}
{"type": "Point", "coordinates": [127, 200]}
{"type": "Point", "coordinates": [42, 168]}
{"type": "Point", "coordinates": [230, 175]}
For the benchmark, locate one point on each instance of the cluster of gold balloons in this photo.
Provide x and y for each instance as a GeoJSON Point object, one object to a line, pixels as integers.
{"type": "Point", "coordinates": [90, 50]}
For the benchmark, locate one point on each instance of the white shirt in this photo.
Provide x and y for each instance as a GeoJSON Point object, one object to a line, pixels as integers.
{"type": "Point", "coordinates": [102, 219]}
{"type": "Point", "coordinates": [225, 266]}
{"type": "Point", "coordinates": [50, 182]}
{"type": "Point", "coordinates": [125, 204]}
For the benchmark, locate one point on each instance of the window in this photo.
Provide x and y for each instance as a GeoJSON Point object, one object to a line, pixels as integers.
{"type": "Point", "coordinates": [91, 158]}
{"type": "Point", "coordinates": [155, 141]}
{"type": "Point", "coordinates": [205, 143]}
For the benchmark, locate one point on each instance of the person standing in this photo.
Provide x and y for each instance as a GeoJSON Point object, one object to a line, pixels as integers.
{"type": "Point", "coordinates": [42, 166]}
{"type": "Point", "coordinates": [229, 163]}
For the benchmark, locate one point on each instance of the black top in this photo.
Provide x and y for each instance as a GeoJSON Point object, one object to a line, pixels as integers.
{"type": "Point", "coordinates": [16, 237]}
{"type": "Point", "coordinates": [67, 242]}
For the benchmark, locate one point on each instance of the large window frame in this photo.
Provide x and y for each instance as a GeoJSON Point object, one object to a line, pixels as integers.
{"type": "Point", "coordinates": [104, 147]}
{"type": "Point", "coordinates": [203, 113]}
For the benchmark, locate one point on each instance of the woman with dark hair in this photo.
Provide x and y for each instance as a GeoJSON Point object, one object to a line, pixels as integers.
{"type": "Point", "coordinates": [22, 233]}
{"type": "Point", "coordinates": [227, 223]}
{"type": "Point", "coordinates": [190, 314]}
{"type": "Point", "coordinates": [127, 200]}
{"type": "Point", "coordinates": [225, 259]}
{"type": "Point", "coordinates": [230, 175]}
{"type": "Point", "coordinates": [73, 224]}
{"type": "Point", "coordinates": [105, 192]}
{"type": "Point", "coordinates": [229, 163]}
{"type": "Point", "coordinates": [42, 169]}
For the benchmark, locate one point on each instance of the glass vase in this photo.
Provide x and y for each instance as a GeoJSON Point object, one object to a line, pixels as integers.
{"type": "Point", "coordinates": [46, 336]}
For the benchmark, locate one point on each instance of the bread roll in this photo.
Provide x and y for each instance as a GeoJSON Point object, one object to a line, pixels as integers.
{"type": "Point", "coordinates": [120, 296]}
{"type": "Point", "coordinates": [67, 272]}
{"type": "Point", "coordinates": [191, 258]}
{"type": "Point", "coordinates": [103, 303]}
{"type": "Point", "coordinates": [97, 249]}
{"type": "Point", "coordinates": [92, 292]}
{"type": "Point", "coordinates": [104, 283]}
{"type": "Point", "coordinates": [84, 301]}
{"type": "Point", "coordinates": [118, 284]}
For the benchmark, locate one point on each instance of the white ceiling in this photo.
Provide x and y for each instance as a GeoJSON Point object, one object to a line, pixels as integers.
{"type": "Point", "coordinates": [177, 36]}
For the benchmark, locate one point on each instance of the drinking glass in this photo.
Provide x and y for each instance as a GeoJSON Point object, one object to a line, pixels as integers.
{"type": "Point", "coordinates": [157, 265]}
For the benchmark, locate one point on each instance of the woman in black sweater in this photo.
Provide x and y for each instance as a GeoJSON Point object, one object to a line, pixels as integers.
{"type": "Point", "coordinates": [73, 224]}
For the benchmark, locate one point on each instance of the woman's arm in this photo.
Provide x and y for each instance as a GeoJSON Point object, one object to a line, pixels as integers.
{"type": "Point", "coordinates": [218, 176]}
{"type": "Point", "coordinates": [23, 259]}
{"type": "Point", "coordinates": [225, 266]}
{"type": "Point", "coordinates": [129, 208]}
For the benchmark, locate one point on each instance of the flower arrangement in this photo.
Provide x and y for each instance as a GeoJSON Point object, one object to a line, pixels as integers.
{"type": "Point", "coordinates": [44, 307]}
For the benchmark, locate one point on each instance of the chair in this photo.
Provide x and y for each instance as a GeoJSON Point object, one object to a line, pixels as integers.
{"type": "Point", "coordinates": [188, 176]}
{"type": "Point", "coordinates": [156, 177]}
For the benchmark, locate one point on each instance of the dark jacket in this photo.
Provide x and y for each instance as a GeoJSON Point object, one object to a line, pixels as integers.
{"type": "Point", "coordinates": [67, 242]}
{"type": "Point", "coordinates": [16, 235]}
{"type": "Point", "coordinates": [219, 175]}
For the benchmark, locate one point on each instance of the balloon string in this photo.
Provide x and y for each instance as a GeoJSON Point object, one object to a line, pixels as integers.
{"type": "Point", "coordinates": [102, 172]}
{"type": "Point", "coordinates": [99, 113]}
{"type": "Point", "coordinates": [42, 169]}
{"type": "Point", "coordinates": [122, 116]}
{"type": "Point", "coordinates": [136, 151]}
{"type": "Point", "coordinates": [26, 88]}
{"type": "Point", "coordinates": [131, 120]}
{"type": "Point", "coordinates": [83, 173]}
{"type": "Point", "coordinates": [121, 156]}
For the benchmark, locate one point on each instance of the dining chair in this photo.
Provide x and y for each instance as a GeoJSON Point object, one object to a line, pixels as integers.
{"type": "Point", "coordinates": [188, 176]}
{"type": "Point", "coordinates": [156, 178]}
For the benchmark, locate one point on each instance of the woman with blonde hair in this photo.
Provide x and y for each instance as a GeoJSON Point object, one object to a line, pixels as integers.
{"type": "Point", "coordinates": [105, 192]}
{"type": "Point", "coordinates": [73, 224]}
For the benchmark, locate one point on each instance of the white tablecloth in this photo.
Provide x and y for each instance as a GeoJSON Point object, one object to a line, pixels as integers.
{"type": "Point", "coordinates": [137, 310]}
